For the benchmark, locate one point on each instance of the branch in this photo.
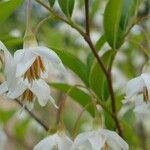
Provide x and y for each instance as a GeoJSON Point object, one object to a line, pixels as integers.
{"type": "Point", "coordinates": [33, 116]}
{"type": "Point", "coordinates": [106, 72]}
{"type": "Point", "coordinates": [87, 17]}
{"type": "Point", "coordinates": [87, 38]}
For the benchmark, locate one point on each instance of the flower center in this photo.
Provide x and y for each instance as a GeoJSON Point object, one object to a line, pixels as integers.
{"type": "Point", "coordinates": [34, 72]}
{"type": "Point", "coordinates": [145, 95]}
{"type": "Point", "coordinates": [27, 96]}
{"type": "Point", "coordinates": [105, 147]}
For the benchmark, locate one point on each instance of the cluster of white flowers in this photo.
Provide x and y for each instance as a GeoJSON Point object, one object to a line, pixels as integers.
{"type": "Point", "coordinates": [100, 139]}
{"type": "Point", "coordinates": [26, 72]}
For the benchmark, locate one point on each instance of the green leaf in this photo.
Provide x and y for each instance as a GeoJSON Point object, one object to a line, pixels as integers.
{"type": "Point", "coordinates": [101, 41]}
{"type": "Point", "coordinates": [127, 10]}
{"type": "Point", "coordinates": [116, 20]}
{"type": "Point", "coordinates": [7, 8]}
{"type": "Point", "coordinates": [73, 63]}
{"type": "Point", "coordinates": [94, 8]}
{"type": "Point", "coordinates": [51, 2]}
{"type": "Point", "coordinates": [109, 122]}
{"type": "Point", "coordinates": [112, 16]}
{"type": "Point", "coordinates": [21, 129]}
{"type": "Point", "coordinates": [77, 94]}
{"type": "Point", "coordinates": [6, 115]}
{"type": "Point", "coordinates": [67, 6]}
{"type": "Point", "coordinates": [97, 76]}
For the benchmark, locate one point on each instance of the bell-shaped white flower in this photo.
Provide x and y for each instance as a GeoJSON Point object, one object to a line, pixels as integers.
{"type": "Point", "coordinates": [20, 87]}
{"type": "Point", "coordinates": [34, 60]}
{"type": "Point", "coordinates": [138, 92]}
{"type": "Point", "coordinates": [57, 141]}
{"type": "Point", "coordinates": [100, 139]}
{"type": "Point", "coordinates": [28, 92]}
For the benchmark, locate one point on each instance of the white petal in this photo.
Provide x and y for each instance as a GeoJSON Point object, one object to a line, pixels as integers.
{"type": "Point", "coordinates": [18, 55]}
{"type": "Point", "coordinates": [26, 60]}
{"type": "Point", "coordinates": [12, 81]}
{"type": "Point", "coordinates": [64, 143]}
{"type": "Point", "coordinates": [3, 87]}
{"type": "Point", "coordinates": [134, 87]}
{"type": "Point", "coordinates": [20, 88]}
{"type": "Point", "coordinates": [50, 55]}
{"type": "Point", "coordinates": [41, 89]}
{"type": "Point", "coordinates": [140, 106]}
{"type": "Point", "coordinates": [8, 57]}
{"type": "Point", "coordinates": [7, 54]}
{"type": "Point", "coordinates": [146, 78]}
{"type": "Point", "coordinates": [85, 146]}
{"type": "Point", "coordinates": [29, 105]}
{"type": "Point", "coordinates": [81, 139]}
{"type": "Point", "coordinates": [48, 143]}
{"type": "Point", "coordinates": [97, 141]}
{"type": "Point", "coordinates": [114, 140]}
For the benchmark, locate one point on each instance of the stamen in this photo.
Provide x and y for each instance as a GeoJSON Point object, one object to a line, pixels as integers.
{"type": "Point", "coordinates": [145, 95]}
{"type": "Point", "coordinates": [34, 72]}
{"type": "Point", "coordinates": [27, 96]}
{"type": "Point", "coordinates": [106, 147]}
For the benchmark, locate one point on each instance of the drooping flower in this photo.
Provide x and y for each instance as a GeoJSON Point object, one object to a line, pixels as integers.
{"type": "Point", "coordinates": [21, 87]}
{"type": "Point", "coordinates": [35, 60]}
{"type": "Point", "coordinates": [29, 92]}
{"type": "Point", "coordinates": [100, 139]}
{"type": "Point", "coordinates": [57, 141]}
{"type": "Point", "coordinates": [138, 93]}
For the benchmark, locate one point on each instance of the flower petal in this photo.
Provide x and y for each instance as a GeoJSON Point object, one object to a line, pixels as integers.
{"type": "Point", "coordinates": [64, 143]}
{"type": "Point", "coordinates": [81, 139]}
{"type": "Point", "coordinates": [146, 78]}
{"type": "Point", "coordinates": [114, 140]}
{"type": "Point", "coordinates": [8, 57]}
{"type": "Point", "coordinates": [41, 89]}
{"type": "Point", "coordinates": [3, 87]}
{"type": "Point", "coordinates": [19, 90]}
{"type": "Point", "coordinates": [47, 143]}
{"type": "Point", "coordinates": [29, 105]}
{"type": "Point", "coordinates": [134, 87]}
{"type": "Point", "coordinates": [97, 141]}
{"type": "Point", "coordinates": [26, 60]}
{"type": "Point", "coordinates": [140, 106]}
{"type": "Point", "coordinates": [50, 55]}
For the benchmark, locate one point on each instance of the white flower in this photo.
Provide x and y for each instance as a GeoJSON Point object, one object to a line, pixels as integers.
{"type": "Point", "coordinates": [100, 139]}
{"type": "Point", "coordinates": [57, 141]}
{"type": "Point", "coordinates": [34, 62]}
{"type": "Point", "coordinates": [38, 89]}
{"type": "Point", "coordinates": [21, 86]}
{"type": "Point", "coordinates": [138, 93]}
{"type": "Point", "coordinates": [3, 139]}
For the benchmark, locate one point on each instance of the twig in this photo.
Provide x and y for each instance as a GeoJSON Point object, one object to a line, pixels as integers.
{"type": "Point", "coordinates": [69, 22]}
{"type": "Point", "coordinates": [78, 119]}
{"type": "Point", "coordinates": [33, 115]}
{"type": "Point", "coordinates": [93, 49]}
{"type": "Point", "coordinates": [41, 23]}
{"type": "Point", "coordinates": [107, 73]}
{"type": "Point", "coordinates": [87, 17]}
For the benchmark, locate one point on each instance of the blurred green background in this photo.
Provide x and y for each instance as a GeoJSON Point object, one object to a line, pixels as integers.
{"type": "Point", "coordinates": [21, 130]}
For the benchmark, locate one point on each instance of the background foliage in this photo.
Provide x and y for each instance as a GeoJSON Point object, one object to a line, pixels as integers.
{"type": "Point", "coordinates": [119, 29]}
